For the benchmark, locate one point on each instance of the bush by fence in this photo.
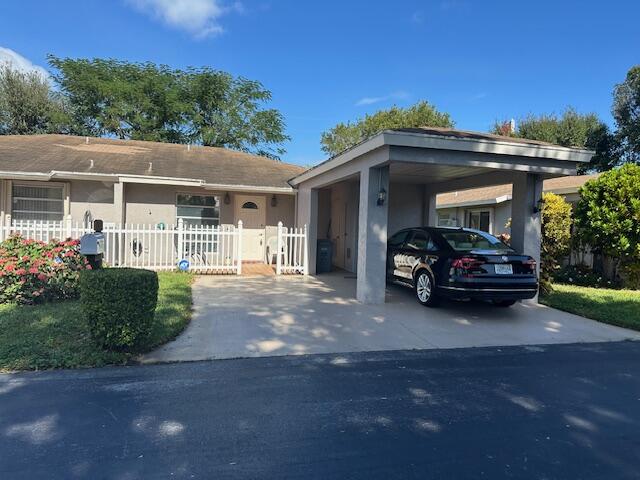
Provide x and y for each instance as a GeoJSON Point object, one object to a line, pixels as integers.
{"type": "Point", "coordinates": [119, 305]}
{"type": "Point", "coordinates": [32, 271]}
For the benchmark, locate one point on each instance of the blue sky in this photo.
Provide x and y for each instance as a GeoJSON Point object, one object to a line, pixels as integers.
{"type": "Point", "coordinates": [333, 61]}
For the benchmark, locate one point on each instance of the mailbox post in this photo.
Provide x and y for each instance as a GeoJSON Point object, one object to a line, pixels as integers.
{"type": "Point", "coordinates": [92, 245]}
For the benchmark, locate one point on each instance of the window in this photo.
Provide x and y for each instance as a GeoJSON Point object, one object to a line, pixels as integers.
{"type": "Point", "coordinates": [35, 202]}
{"type": "Point", "coordinates": [447, 219]}
{"type": "Point", "coordinates": [467, 241]}
{"type": "Point", "coordinates": [421, 241]}
{"type": "Point", "coordinates": [398, 239]}
{"type": "Point", "coordinates": [250, 206]}
{"type": "Point", "coordinates": [198, 209]}
{"type": "Point", "coordinates": [479, 220]}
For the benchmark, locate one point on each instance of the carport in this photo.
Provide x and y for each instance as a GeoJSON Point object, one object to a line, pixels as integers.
{"type": "Point", "coordinates": [390, 181]}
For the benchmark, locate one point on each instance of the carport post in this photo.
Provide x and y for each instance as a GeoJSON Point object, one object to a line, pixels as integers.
{"type": "Point", "coordinates": [526, 228]}
{"type": "Point", "coordinates": [372, 235]}
{"type": "Point", "coordinates": [308, 215]}
{"type": "Point", "coordinates": [430, 212]}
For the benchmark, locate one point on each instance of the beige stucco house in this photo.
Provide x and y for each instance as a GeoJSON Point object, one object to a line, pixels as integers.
{"type": "Point", "coordinates": [355, 199]}
{"type": "Point", "coordinates": [49, 177]}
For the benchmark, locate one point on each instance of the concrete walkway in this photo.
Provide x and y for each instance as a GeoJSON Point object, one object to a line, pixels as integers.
{"type": "Point", "coordinates": [263, 316]}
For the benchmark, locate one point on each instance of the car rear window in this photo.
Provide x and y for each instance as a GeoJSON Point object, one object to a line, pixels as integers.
{"type": "Point", "coordinates": [465, 241]}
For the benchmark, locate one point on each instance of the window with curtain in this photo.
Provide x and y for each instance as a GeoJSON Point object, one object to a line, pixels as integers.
{"type": "Point", "coordinates": [198, 209]}
{"type": "Point", "coordinates": [37, 202]}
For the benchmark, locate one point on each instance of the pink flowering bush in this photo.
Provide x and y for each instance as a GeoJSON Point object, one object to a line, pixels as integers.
{"type": "Point", "coordinates": [33, 272]}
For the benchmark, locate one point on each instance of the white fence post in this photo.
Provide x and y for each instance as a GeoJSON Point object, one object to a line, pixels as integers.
{"type": "Point", "coordinates": [67, 227]}
{"type": "Point", "coordinates": [305, 252]}
{"type": "Point", "coordinates": [180, 252]}
{"type": "Point", "coordinates": [279, 250]}
{"type": "Point", "coordinates": [239, 244]}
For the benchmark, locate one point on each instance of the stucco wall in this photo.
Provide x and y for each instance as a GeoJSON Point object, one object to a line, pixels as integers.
{"type": "Point", "coordinates": [501, 215]}
{"type": "Point", "coordinates": [406, 206]}
{"type": "Point", "coordinates": [94, 199]}
{"type": "Point", "coordinates": [152, 204]}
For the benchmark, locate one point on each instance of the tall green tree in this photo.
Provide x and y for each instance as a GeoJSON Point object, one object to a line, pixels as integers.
{"type": "Point", "coordinates": [626, 112]}
{"type": "Point", "coordinates": [346, 135]}
{"type": "Point", "coordinates": [607, 218]}
{"type": "Point", "coordinates": [571, 129]}
{"type": "Point", "coordinates": [28, 105]}
{"type": "Point", "coordinates": [145, 101]}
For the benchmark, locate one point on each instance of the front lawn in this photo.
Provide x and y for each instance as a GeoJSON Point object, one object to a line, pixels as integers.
{"type": "Point", "coordinates": [617, 307]}
{"type": "Point", "coordinates": [54, 335]}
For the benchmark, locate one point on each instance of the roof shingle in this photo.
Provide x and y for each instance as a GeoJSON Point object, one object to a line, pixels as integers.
{"type": "Point", "coordinates": [46, 153]}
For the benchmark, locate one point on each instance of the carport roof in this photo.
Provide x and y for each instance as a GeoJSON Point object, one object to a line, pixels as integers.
{"type": "Point", "coordinates": [453, 140]}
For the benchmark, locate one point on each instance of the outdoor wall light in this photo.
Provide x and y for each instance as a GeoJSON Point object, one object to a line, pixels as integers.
{"type": "Point", "coordinates": [274, 201]}
{"type": "Point", "coordinates": [537, 208]}
{"type": "Point", "coordinates": [227, 199]}
{"type": "Point", "coordinates": [382, 197]}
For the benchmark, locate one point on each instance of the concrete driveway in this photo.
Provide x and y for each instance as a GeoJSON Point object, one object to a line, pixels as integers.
{"type": "Point", "coordinates": [264, 316]}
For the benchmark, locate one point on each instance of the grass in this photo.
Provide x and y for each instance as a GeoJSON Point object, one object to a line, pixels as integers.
{"type": "Point", "coordinates": [54, 335]}
{"type": "Point", "coordinates": [617, 307]}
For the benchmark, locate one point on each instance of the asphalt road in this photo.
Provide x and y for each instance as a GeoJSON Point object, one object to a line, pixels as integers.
{"type": "Point", "coordinates": [556, 412]}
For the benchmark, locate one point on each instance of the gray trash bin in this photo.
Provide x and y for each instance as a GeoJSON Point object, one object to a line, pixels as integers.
{"type": "Point", "coordinates": [324, 256]}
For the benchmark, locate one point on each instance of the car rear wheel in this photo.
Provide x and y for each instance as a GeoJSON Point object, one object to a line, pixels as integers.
{"type": "Point", "coordinates": [504, 303]}
{"type": "Point", "coordinates": [424, 289]}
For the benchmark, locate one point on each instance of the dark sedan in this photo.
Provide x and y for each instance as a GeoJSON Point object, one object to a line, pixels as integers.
{"type": "Point", "coordinates": [459, 263]}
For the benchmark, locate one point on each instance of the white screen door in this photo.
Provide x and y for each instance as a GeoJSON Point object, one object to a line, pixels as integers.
{"type": "Point", "coordinates": [251, 209]}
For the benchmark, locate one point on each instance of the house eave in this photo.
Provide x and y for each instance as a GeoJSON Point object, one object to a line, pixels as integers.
{"type": "Point", "coordinates": [142, 179]}
{"type": "Point", "coordinates": [438, 142]}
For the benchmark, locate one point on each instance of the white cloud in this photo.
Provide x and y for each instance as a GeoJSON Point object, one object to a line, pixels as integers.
{"type": "Point", "coordinates": [199, 18]}
{"type": "Point", "coordinates": [399, 95]}
{"type": "Point", "coordinates": [18, 62]}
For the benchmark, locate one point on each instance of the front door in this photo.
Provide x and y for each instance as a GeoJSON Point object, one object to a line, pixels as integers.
{"type": "Point", "coordinates": [251, 209]}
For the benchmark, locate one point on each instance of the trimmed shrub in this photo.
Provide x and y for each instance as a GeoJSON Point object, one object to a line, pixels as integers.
{"type": "Point", "coordinates": [33, 272]}
{"type": "Point", "coordinates": [556, 236]}
{"type": "Point", "coordinates": [119, 305]}
{"type": "Point", "coordinates": [582, 276]}
{"type": "Point", "coordinates": [608, 219]}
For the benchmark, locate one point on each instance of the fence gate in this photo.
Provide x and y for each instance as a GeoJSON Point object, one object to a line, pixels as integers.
{"type": "Point", "coordinates": [292, 251]}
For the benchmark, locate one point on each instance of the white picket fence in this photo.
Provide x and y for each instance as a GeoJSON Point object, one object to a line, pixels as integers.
{"type": "Point", "coordinates": [292, 245]}
{"type": "Point", "coordinates": [207, 249]}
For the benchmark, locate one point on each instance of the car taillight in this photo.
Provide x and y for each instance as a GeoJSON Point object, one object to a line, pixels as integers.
{"type": "Point", "coordinates": [466, 263]}
{"type": "Point", "coordinates": [531, 263]}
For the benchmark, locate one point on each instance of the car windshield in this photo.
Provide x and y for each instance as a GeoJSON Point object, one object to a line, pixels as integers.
{"type": "Point", "coordinates": [462, 241]}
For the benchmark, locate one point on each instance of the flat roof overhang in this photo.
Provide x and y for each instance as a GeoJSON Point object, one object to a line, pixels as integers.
{"type": "Point", "coordinates": [453, 157]}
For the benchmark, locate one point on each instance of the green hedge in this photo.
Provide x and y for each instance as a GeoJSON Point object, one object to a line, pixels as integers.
{"type": "Point", "coordinates": [118, 304]}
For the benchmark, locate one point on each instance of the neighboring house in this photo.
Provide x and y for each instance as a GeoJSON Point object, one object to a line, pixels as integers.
{"type": "Point", "coordinates": [49, 177]}
{"type": "Point", "coordinates": [489, 208]}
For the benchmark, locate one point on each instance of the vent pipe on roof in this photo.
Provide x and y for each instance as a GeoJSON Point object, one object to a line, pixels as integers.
{"type": "Point", "coordinates": [188, 147]}
{"type": "Point", "coordinates": [90, 163]}
{"type": "Point", "coordinates": [150, 166]}
{"type": "Point", "coordinates": [512, 125]}
{"type": "Point", "coordinates": [86, 140]}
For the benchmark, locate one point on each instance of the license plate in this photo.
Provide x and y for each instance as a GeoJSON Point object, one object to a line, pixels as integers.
{"type": "Point", "coordinates": [504, 269]}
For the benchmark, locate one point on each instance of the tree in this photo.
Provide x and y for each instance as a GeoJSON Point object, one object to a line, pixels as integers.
{"type": "Point", "coordinates": [145, 101]}
{"type": "Point", "coordinates": [626, 112]}
{"type": "Point", "coordinates": [556, 236]}
{"type": "Point", "coordinates": [607, 218]}
{"type": "Point", "coordinates": [27, 104]}
{"type": "Point", "coordinates": [346, 135]}
{"type": "Point", "coordinates": [572, 129]}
